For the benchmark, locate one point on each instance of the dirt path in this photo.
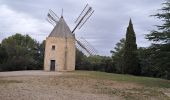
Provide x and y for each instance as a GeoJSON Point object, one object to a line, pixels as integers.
{"type": "Point", "coordinates": [28, 73]}
{"type": "Point", "coordinates": [39, 85]}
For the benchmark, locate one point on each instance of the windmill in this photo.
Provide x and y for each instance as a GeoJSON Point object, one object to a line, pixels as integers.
{"type": "Point", "coordinates": [69, 38]}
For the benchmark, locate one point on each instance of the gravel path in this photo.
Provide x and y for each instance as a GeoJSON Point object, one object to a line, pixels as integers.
{"type": "Point", "coordinates": [28, 73]}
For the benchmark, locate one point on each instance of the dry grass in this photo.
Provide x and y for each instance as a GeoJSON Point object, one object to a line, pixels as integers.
{"type": "Point", "coordinates": [80, 85]}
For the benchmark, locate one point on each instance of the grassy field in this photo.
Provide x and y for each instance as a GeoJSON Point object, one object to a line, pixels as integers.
{"type": "Point", "coordinates": [146, 81]}
{"type": "Point", "coordinates": [143, 88]}
{"type": "Point", "coordinates": [82, 85]}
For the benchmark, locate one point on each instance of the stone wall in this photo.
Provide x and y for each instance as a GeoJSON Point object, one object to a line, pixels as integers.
{"type": "Point", "coordinates": [59, 54]}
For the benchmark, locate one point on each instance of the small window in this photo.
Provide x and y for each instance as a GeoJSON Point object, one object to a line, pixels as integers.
{"type": "Point", "coordinates": [53, 47]}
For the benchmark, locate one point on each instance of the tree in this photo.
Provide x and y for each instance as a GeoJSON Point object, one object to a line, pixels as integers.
{"type": "Point", "coordinates": [161, 35]}
{"type": "Point", "coordinates": [39, 55]}
{"type": "Point", "coordinates": [161, 42]}
{"type": "Point", "coordinates": [80, 60]}
{"type": "Point", "coordinates": [21, 50]}
{"type": "Point", "coordinates": [117, 56]}
{"type": "Point", "coordinates": [3, 54]}
{"type": "Point", "coordinates": [131, 65]}
{"type": "Point", "coordinates": [108, 65]}
{"type": "Point", "coordinates": [94, 63]}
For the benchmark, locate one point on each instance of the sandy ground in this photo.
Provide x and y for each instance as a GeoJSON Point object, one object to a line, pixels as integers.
{"type": "Point", "coordinates": [39, 85]}
{"type": "Point", "coordinates": [28, 73]}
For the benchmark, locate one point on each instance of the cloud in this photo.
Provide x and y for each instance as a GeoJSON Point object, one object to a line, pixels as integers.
{"type": "Point", "coordinates": [103, 30]}
{"type": "Point", "coordinates": [19, 22]}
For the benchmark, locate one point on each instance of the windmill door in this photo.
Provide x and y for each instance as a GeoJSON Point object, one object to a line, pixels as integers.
{"type": "Point", "coordinates": [52, 65]}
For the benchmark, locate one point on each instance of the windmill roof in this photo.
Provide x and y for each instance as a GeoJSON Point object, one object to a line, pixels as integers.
{"type": "Point", "coordinates": [61, 30]}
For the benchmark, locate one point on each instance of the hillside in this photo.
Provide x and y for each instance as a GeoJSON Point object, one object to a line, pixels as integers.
{"type": "Point", "coordinates": [80, 85]}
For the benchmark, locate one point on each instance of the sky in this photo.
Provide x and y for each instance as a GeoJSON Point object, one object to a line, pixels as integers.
{"type": "Point", "coordinates": [103, 30]}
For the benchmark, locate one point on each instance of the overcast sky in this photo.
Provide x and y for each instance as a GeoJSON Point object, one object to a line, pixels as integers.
{"type": "Point", "coordinates": [104, 29]}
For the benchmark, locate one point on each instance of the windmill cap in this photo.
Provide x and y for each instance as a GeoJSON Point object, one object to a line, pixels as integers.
{"type": "Point", "coordinates": [61, 30]}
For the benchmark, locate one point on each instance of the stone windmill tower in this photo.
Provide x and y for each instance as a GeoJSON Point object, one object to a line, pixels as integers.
{"type": "Point", "coordinates": [61, 44]}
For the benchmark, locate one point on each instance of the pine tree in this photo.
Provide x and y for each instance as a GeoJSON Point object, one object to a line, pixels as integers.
{"type": "Point", "coordinates": [161, 42]}
{"type": "Point", "coordinates": [162, 35]}
{"type": "Point", "coordinates": [131, 65]}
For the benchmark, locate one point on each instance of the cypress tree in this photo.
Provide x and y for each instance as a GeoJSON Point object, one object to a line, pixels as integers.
{"type": "Point", "coordinates": [131, 65]}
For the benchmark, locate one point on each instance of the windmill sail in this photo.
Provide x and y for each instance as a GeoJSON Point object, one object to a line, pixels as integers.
{"type": "Point", "coordinates": [86, 47]}
{"type": "Point", "coordinates": [51, 22]}
{"type": "Point", "coordinates": [80, 21]}
{"type": "Point", "coordinates": [52, 17]}
{"type": "Point", "coordinates": [53, 14]}
{"type": "Point", "coordinates": [83, 48]}
{"type": "Point", "coordinates": [81, 13]}
{"type": "Point", "coordinates": [83, 17]}
{"type": "Point", "coordinates": [81, 44]}
{"type": "Point", "coordinates": [86, 20]}
{"type": "Point", "coordinates": [89, 46]}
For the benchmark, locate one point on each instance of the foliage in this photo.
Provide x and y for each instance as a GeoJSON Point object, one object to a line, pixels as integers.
{"type": "Point", "coordinates": [117, 56]}
{"type": "Point", "coordinates": [81, 61]}
{"type": "Point", "coordinates": [131, 65]}
{"type": "Point", "coordinates": [95, 63]}
{"type": "Point", "coordinates": [160, 56]}
{"type": "Point", "coordinates": [146, 62]}
{"type": "Point", "coordinates": [108, 65]}
{"type": "Point", "coordinates": [39, 55]}
{"type": "Point", "coordinates": [162, 34]}
{"type": "Point", "coordinates": [3, 54]}
{"type": "Point", "coordinates": [22, 51]}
